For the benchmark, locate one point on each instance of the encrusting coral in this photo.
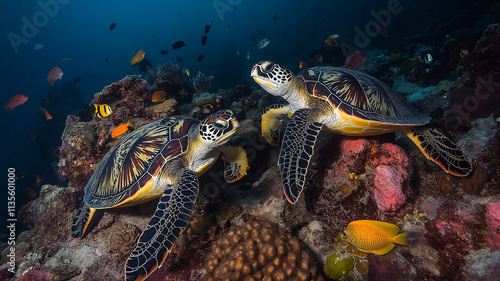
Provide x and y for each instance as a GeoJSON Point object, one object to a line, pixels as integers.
{"type": "Point", "coordinates": [163, 109]}
{"type": "Point", "coordinates": [260, 251]}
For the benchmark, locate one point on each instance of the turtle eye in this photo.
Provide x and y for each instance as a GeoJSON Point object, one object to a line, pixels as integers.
{"type": "Point", "coordinates": [220, 124]}
{"type": "Point", "coordinates": [344, 234]}
{"type": "Point", "coordinates": [267, 66]}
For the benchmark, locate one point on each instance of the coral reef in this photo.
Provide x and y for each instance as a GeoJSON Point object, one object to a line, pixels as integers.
{"type": "Point", "coordinates": [452, 230]}
{"type": "Point", "coordinates": [163, 109]}
{"type": "Point", "coordinates": [346, 262]}
{"type": "Point", "coordinates": [85, 143]}
{"type": "Point", "coordinates": [48, 218]}
{"type": "Point", "coordinates": [204, 104]}
{"type": "Point", "coordinates": [202, 83]}
{"type": "Point", "coordinates": [493, 221]}
{"type": "Point", "coordinates": [169, 77]}
{"type": "Point", "coordinates": [260, 251]}
{"type": "Point", "coordinates": [123, 238]}
{"type": "Point", "coordinates": [357, 182]}
{"type": "Point", "coordinates": [482, 60]}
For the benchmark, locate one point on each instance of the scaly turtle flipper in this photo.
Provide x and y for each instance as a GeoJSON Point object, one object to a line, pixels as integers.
{"type": "Point", "coordinates": [171, 217]}
{"type": "Point", "coordinates": [296, 152]}
{"type": "Point", "coordinates": [438, 148]}
{"type": "Point", "coordinates": [235, 161]}
{"type": "Point", "coordinates": [82, 220]}
{"type": "Point", "coordinates": [271, 122]}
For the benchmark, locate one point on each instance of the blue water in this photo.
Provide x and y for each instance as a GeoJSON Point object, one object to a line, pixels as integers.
{"type": "Point", "coordinates": [80, 29]}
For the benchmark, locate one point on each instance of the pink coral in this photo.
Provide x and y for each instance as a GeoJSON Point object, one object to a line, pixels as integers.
{"type": "Point", "coordinates": [390, 154]}
{"type": "Point", "coordinates": [388, 189]}
{"type": "Point", "coordinates": [353, 145]}
{"type": "Point", "coordinates": [35, 273]}
{"type": "Point", "coordinates": [493, 220]}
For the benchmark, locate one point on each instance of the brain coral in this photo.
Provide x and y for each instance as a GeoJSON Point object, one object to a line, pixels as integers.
{"type": "Point", "coordinates": [123, 239]}
{"type": "Point", "coordinates": [260, 251]}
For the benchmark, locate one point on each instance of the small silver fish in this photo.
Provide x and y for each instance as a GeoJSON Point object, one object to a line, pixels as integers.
{"type": "Point", "coordinates": [248, 55]}
{"type": "Point", "coordinates": [38, 46]}
{"type": "Point", "coordinates": [263, 43]}
{"type": "Point", "coordinates": [68, 58]}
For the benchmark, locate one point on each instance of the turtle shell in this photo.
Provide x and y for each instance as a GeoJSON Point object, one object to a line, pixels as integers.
{"type": "Point", "coordinates": [360, 96]}
{"type": "Point", "coordinates": [132, 165]}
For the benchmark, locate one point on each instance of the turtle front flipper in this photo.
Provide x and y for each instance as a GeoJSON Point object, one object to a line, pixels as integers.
{"type": "Point", "coordinates": [296, 152]}
{"type": "Point", "coordinates": [235, 161]}
{"type": "Point", "coordinates": [272, 120]}
{"type": "Point", "coordinates": [438, 148]}
{"type": "Point", "coordinates": [171, 217]}
{"type": "Point", "coordinates": [82, 220]}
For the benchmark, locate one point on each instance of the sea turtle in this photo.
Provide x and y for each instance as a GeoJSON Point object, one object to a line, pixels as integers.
{"type": "Point", "coordinates": [161, 159]}
{"type": "Point", "coordinates": [346, 102]}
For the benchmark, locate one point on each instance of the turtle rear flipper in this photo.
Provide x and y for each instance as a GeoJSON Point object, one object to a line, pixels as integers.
{"type": "Point", "coordinates": [171, 217]}
{"type": "Point", "coordinates": [296, 152]}
{"type": "Point", "coordinates": [271, 122]}
{"type": "Point", "coordinates": [441, 150]}
{"type": "Point", "coordinates": [82, 220]}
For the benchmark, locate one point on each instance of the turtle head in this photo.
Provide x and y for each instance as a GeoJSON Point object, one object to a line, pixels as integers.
{"type": "Point", "coordinates": [272, 77]}
{"type": "Point", "coordinates": [218, 127]}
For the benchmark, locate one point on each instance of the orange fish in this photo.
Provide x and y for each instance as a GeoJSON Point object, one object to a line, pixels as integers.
{"type": "Point", "coordinates": [330, 41]}
{"type": "Point", "coordinates": [120, 129]}
{"type": "Point", "coordinates": [158, 96]}
{"type": "Point", "coordinates": [54, 74]}
{"type": "Point", "coordinates": [31, 136]}
{"type": "Point", "coordinates": [15, 101]}
{"type": "Point", "coordinates": [138, 57]}
{"type": "Point", "coordinates": [47, 115]}
{"type": "Point", "coordinates": [38, 180]}
{"type": "Point", "coordinates": [303, 65]}
{"type": "Point", "coordinates": [355, 61]}
{"type": "Point", "coordinates": [394, 55]}
{"type": "Point", "coordinates": [30, 192]}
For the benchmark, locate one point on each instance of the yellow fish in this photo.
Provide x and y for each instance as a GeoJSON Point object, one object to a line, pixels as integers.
{"type": "Point", "coordinates": [138, 57]}
{"type": "Point", "coordinates": [102, 110]}
{"type": "Point", "coordinates": [375, 237]}
{"type": "Point", "coordinates": [463, 53]}
{"type": "Point", "coordinates": [158, 96]}
{"type": "Point", "coordinates": [188, 71]}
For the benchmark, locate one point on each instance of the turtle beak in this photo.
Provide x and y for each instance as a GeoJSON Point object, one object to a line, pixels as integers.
{"type": "Point", "coordinates": [234, 127]}
{"type": "Point", "coordinates": [257, 78]}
